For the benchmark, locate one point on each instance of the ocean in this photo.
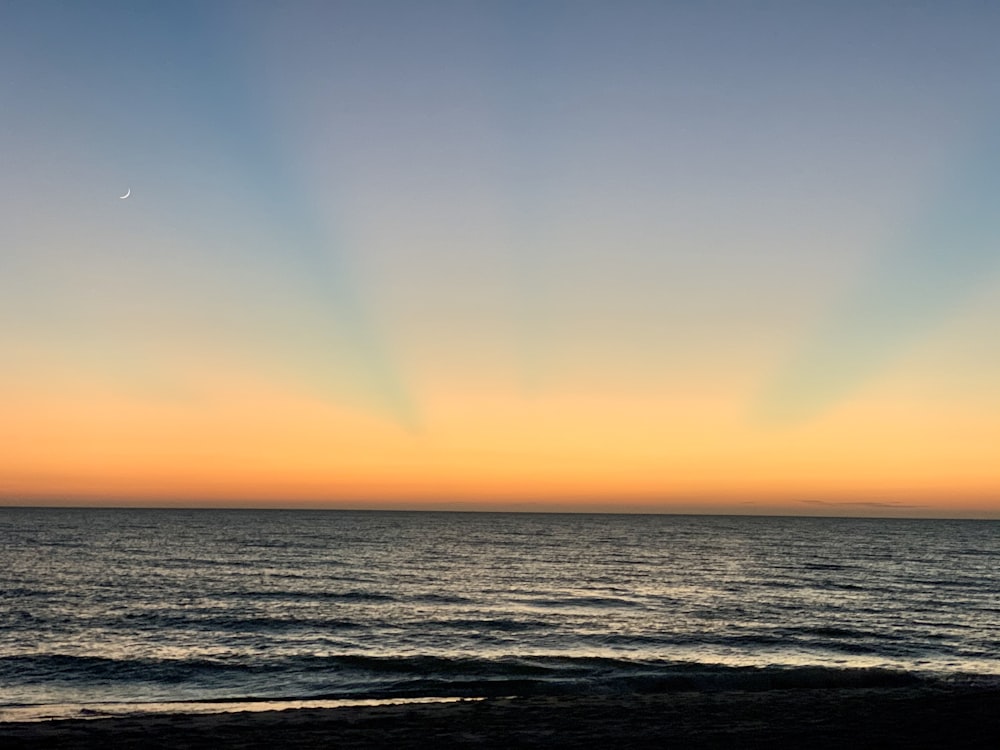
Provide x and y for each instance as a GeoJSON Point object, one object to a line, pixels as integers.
{"type": "Point", "coordinates": [107, 611]}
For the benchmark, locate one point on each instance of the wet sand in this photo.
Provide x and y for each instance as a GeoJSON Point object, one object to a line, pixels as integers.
{"type": "Point", "coordinates": [919, 717]}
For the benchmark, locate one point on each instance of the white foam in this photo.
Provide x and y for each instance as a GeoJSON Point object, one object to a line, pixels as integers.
{"type": "Point", "coordinates": [54, 712]}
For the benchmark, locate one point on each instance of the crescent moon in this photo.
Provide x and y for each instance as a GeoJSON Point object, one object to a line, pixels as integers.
{"type": "Point", "coordinates": [127, 194]}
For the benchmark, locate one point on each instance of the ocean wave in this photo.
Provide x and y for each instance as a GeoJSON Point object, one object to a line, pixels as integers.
{"type": "Point", "coordinates": [829, 631]}
{"type": "Point", "coordinates": [352, 595]}
{"type": "Point", "coordinates": [174, 605]}
{"type": "Point", "coordinates": [209, 620]}
{"type": "Point", "coordinates": [431, 598]}
{"type": "Point", "coordinates": [21, 592]}
{"type": "Point", "coordinates": [598, 602]}
{"type": "Point", "coordinates": [362, 676]}
{"type": "Point", "coordinates": [826, 566]}
{"type": "Point", "coordinates": [486, 626]}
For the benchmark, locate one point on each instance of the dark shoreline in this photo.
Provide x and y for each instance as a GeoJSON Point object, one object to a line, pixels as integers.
{"type": "Point", "coordinates": [813, 718]}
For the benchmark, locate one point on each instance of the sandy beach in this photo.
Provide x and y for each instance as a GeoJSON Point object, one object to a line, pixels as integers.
{"type": "Point", "coordinates": [814, 718]}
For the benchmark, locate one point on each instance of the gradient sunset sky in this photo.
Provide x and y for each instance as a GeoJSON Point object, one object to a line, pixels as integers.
{"type": "Point", "coordinates": [678, 256]}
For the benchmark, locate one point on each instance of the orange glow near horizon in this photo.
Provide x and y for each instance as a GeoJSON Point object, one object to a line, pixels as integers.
{"type": "Point", "coordinates": [251, 443]}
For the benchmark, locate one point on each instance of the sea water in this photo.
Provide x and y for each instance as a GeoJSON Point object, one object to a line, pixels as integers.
{"type": "Point", "coordinates": [128, 607]}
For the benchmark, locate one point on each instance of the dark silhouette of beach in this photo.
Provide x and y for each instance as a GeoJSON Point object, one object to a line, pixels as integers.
{"type": "Point", "coordinates": [903, 717]}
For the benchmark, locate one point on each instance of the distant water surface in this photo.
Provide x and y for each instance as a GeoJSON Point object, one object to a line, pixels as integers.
{"type": "Point", "coordinates": [153, 606]}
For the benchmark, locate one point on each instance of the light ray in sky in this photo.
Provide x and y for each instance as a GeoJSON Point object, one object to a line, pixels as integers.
{"type": "Point", "coordinates": [210, 104]}
{"type": "Point", "coordinates": [944, 259]}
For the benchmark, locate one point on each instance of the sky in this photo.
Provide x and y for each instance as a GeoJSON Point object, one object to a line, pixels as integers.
{"type": "Point", "coordinates": [636, 256]}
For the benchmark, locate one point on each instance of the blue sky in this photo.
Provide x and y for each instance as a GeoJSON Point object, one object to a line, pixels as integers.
{"type": "Point", "coordinates": [775, 209]}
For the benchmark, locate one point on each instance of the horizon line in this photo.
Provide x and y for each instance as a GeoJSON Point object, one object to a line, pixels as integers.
{"type": "Point", "coordinates": [972, 516]}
